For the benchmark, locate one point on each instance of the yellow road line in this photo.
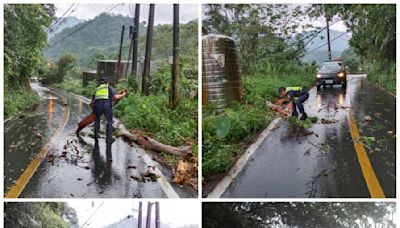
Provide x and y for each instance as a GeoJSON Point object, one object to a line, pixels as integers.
{"type": "Point", "coordinates": [23, 180]}
{"type": "Point", "coordinates": [372, 181]}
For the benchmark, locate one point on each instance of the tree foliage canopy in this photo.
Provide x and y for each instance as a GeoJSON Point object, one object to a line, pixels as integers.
{"type": "Point", "coordinates": [373, 28]}
{"type": "Point", "coordinates": [24, 39]}
{"type": "Point", "coordinates": [299, 214]}
{"type": "Point", "coordinates": [39, 215]}
{"type": "Point", "coordinates": [266, 34]}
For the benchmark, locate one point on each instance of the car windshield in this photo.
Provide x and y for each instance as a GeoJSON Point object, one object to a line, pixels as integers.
{"type": "Point", "coordinates": [331, 66]}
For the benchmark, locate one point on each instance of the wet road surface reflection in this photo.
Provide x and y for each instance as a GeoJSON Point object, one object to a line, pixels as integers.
{"type": "Point", "coordinates": [321, 161]}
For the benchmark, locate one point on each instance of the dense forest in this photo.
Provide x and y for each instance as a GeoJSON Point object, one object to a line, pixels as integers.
{"type": "Point", "coordinates": [24, 40]}
{"type": "Point", "coordinates": [39, 215]}
{"type": "Point", "coordinates": [272, 41]}
{"type": "Point", "coordinates": [298, 215]}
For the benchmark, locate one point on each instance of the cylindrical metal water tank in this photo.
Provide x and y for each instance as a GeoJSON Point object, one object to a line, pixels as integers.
{"type": "Point", "coordinates": [221, 76]}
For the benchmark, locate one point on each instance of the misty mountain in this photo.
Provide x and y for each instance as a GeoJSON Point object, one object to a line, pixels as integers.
{"type": "Point", "coordinates": [103, 34]}
{"type": "Point", "coordinates": [321, 54]}
{"type": "Point", "coordinates": [63, 24]}
{"type": "Point", "coordinates": [130, 222]}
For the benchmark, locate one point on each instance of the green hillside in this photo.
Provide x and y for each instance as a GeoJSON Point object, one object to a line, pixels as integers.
{"type": "Point", "coordinates": [102, 35]}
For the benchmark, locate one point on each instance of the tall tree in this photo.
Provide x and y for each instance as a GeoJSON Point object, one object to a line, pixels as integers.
{"type": "Point", "coordinates": [373, 28]}
{"type": "Point", "coordinates": [264, 32]}
{"type": "Point", "coordinates": [40, 215]}
{"type": "Point", "coordinates": [24, 40]}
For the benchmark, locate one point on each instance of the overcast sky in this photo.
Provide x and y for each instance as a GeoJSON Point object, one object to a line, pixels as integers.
{"type": "Point", "coordinates": [173, 212]}
{"type": "Point", "coordinates": [162, 15]}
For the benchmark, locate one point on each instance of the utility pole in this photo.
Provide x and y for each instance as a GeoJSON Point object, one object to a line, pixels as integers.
{"type": "Point", "coordinates": [329, 38]}
{"type": "Point", "coordinates": [157, 215]}
{"type": "Point", "coordinates": [175, 98]}
{"type": "Point", "coordinates": [148, 221]}
{"type": "Point", "coordinates": [135, 40]}
{"type": "Point", "coordinates": [129, 58]}
{"type": "Point", "coordinates": [147, 58]}
{"type": "Point", "coordinates": [120, 52]}
{"type": "Point", "coordinates": [140, 215]}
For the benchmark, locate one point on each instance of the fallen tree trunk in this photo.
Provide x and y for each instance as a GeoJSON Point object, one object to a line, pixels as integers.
{"type": "Point", "coordinates": [85, 122]}
{"type": "Point", "coordinates": [277, 107]}
{"type": "Point", "coordinates": [151, 144]}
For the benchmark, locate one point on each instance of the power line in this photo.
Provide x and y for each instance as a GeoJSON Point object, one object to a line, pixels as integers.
{"type": "Point", "coordinates": [91, 216]}
{"type": "Point", "coordinates": [337, 37]}
{"type": "Point", "coordinates": [89, 22]}
{"type": "Point", "coordinates": [313, 36]}
{"type": "Point", "coordinates": [62, 16]}
{"type": "Point", "coordinates": [65, 18]}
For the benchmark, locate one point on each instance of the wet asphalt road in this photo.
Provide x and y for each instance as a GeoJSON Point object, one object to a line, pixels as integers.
{"type": "Point", "coordinates": [80, 168]}
{"type": "Point", "coordinates": [290, 162]}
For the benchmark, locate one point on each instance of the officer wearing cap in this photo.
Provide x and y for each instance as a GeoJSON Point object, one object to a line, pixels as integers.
{"type": "Point", "coordinates": [102, 101]}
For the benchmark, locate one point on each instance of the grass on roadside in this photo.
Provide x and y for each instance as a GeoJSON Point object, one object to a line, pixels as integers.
{"type": "Point", "coordinates": [226, 135]}
{"type": "Point", "coordinates": [17, 100]}
{"type": "Point", "coordinates": [382, 75]}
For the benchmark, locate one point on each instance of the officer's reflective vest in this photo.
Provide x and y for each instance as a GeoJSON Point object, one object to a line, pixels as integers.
{"type": "Point", "coordinates": [294, 88]}
{"type": "Point", "coordinates": [101, 92]}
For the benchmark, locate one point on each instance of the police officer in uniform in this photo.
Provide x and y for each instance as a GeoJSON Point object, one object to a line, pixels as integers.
{"type": "Point", "coordinates": [102, 101]}
{"type": "Point", "coordinates": [296, 95]}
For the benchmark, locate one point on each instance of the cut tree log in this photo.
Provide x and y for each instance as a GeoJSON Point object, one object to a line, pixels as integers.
{"type": "Point", "coordinates": [85, 122]}
{"type": "Point", "coordinates": [279, 109]}
{"type": "Point", "coordinates": [151, 144]}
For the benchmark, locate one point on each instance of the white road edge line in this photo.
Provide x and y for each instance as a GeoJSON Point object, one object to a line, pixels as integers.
{"type": "Point", "coordinates": [165, 185]}
{"type": "Point", "coordinates": [241, 162]}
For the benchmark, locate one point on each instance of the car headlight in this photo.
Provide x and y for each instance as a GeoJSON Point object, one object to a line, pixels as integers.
{"type": "Point", "coordinates": [341, 74]}
{"type": "Point", "coordinates": [318, 76]}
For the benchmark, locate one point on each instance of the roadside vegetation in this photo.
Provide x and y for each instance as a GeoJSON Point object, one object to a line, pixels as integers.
{"type": "Point", "coordinates": [17, 100]}
{"type": "Point", "coordinates": [23, 45]}
{"type": "Point", "coordinates": [227, 135]}
{"type": "Point", "coordinates": [272, 56]}
{"type": "Point", "coordinates": [373, 38]}
{"type": "Point", "coordinates": [382, 74]}
{"type": "Point", "coordinates": [265, 67]}
{"type": "Point", "coordinates": [39, 214]}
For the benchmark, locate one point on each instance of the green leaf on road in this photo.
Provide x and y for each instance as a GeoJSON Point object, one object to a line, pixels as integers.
{"type": "Point", "coordinates": [369, 141]}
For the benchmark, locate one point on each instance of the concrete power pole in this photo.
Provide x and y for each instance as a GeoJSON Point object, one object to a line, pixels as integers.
{"type": "Point", "coordinates": [119, 68]}
{"type": "Point", "coordinates": [148, 220]}
{"type": "Point", "coordinates": [135, 40]}
{"type": "Point", "coordinates": [140, 215]}
{"type": "Point", "coordinates": [175, 98]}
{"type": "Point", "coordinates": [329, 39]}
{"type": "Point", "coordinates": [147, 58]}
{"type": "Point", "coordinates": [157, 215]}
